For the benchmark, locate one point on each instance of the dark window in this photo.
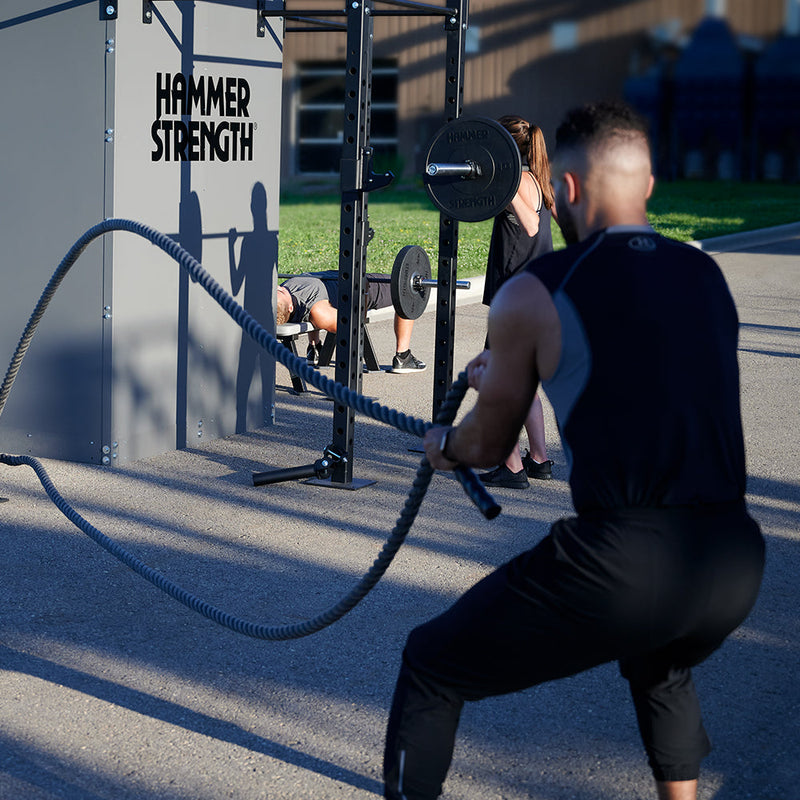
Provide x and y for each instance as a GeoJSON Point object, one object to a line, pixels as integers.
{"type": "Point", "coordinates": [320, 114]}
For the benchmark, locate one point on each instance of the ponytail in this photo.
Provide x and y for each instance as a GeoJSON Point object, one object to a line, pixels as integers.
{"type": "Point", "coordinates": [539, 165]}
{"type": "Point", "coordinates": [530, 141]}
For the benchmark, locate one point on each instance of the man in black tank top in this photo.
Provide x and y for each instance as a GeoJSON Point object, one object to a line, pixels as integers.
{"type": "Point", "coordinates": [634, 338]}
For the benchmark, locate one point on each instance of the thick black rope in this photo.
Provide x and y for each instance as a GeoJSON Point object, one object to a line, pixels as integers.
{"type": "Point", "coordinates": [299, 366]}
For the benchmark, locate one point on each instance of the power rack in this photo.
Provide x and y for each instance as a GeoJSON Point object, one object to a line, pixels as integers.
{"type": "Point", "coordinates": [357, 180]}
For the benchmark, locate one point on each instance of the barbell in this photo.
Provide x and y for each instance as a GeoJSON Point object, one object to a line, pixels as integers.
{"type": "Point", "coordinates": [410, 281]}
{"type": "Point", "coordinates": [473, 169]}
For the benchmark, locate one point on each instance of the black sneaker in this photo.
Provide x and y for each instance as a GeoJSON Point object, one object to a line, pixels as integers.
{"type": "Point", "coordinates": [313, 353]}
{"type": "Point", "coordinates": [503, 477]}
{"type": "Point", "coordinates": [542, 471]}
{"type": "Point", "coordinates": [407, 363]}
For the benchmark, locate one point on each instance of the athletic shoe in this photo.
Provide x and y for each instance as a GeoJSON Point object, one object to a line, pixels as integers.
{"type": "Point", "coordinates": [313, 353]}
{"type": "Point", "coordinates": [407, 363]}
{"type": "Point", "coordinates": [504, 478]}
{"type": "Point", "coordinates": [541, 470]}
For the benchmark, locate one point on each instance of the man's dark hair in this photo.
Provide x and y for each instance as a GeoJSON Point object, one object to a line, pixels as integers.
{"type": "Point", "coordinates": [596, 121]}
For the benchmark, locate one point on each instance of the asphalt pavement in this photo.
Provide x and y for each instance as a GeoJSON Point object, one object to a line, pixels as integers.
{"type": "Point", "coordinates": [112, 690]}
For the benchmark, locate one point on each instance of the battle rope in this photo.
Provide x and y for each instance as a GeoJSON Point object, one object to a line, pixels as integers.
{"type": "Point", "coordinates": [337, 391]}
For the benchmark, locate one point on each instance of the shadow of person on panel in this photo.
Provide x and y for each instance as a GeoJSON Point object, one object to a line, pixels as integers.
{"type": "Point", "coordinates": [257, 271]}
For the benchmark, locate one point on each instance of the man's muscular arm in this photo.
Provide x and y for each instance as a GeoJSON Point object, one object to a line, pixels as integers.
{"type": "Point", "coordinates": [323, 316]}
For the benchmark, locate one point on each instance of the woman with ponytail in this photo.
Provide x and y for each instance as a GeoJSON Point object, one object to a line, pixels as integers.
{"type": "Point", "coordinates": [521, 232]}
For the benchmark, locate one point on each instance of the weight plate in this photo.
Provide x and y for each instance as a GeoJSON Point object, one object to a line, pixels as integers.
{"type": "Point", "coordinates": [410, 264]}
{"type": "Point", "coordinates": [491, 147]}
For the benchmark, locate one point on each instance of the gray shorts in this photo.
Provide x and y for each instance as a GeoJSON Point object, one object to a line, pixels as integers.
{"type": "Point", "coordinates": [379, 295]}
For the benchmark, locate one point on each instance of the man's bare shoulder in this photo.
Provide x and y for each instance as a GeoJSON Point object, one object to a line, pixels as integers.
{"type": "Point", "coordinates": [523, 315]}
{"type": "Point", "coordinates": [523, 297]}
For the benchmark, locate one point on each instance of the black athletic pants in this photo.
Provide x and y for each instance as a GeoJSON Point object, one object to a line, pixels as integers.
{"type": "Point", "coordinates": [657, 590]}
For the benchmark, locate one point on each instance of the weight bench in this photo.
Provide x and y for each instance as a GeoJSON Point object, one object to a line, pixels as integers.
{"type": "Point", "coordinates": [287, 335]}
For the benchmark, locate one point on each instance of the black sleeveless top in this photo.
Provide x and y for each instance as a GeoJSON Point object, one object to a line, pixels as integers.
{"type": "Point", "coordinates": [646, 392]}
{"type": "Point", "coordinates": [510, 249]}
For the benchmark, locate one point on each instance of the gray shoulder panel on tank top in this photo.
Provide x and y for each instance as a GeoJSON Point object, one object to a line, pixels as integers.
{"type": "Point", "coordinates": [572, 373]}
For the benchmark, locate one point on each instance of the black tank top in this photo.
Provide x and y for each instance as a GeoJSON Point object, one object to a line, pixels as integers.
{"type": "Point", "coordinates": [646, 392]}
{"type": "Point", "coordinates": [510, 249]}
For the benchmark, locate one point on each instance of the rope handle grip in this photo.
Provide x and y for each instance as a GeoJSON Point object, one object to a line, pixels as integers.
{"type": "Point", "coordinates": [477, 492]}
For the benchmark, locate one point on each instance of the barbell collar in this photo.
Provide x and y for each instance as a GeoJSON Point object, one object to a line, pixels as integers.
{"type": "Point", "coordinates": [466, 169]}
{"type": "Point", "coordinates": [417, 282]}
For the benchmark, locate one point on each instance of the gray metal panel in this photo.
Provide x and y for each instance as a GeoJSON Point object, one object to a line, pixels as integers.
{"type": "Point", "coordinates": [179, 361]}
{"type": "Point", "coordinates": [167, 365]}
{"type": "Point", "coordinates": [51, 186]}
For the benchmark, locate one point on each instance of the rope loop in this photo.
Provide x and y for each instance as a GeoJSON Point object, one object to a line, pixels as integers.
{"type": "Point", "coordinates": [337, 391]}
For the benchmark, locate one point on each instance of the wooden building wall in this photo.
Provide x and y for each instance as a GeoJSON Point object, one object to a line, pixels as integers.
{"type": "Point", "coordinates": [516, 68]}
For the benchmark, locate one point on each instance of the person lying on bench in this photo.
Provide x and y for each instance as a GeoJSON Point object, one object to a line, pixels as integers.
{"type": "Point", "coordinates": [311, 297]}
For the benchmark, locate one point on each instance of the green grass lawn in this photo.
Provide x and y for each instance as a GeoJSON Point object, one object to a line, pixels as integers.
{"type": "Point", "coordinates": [684, 210]}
